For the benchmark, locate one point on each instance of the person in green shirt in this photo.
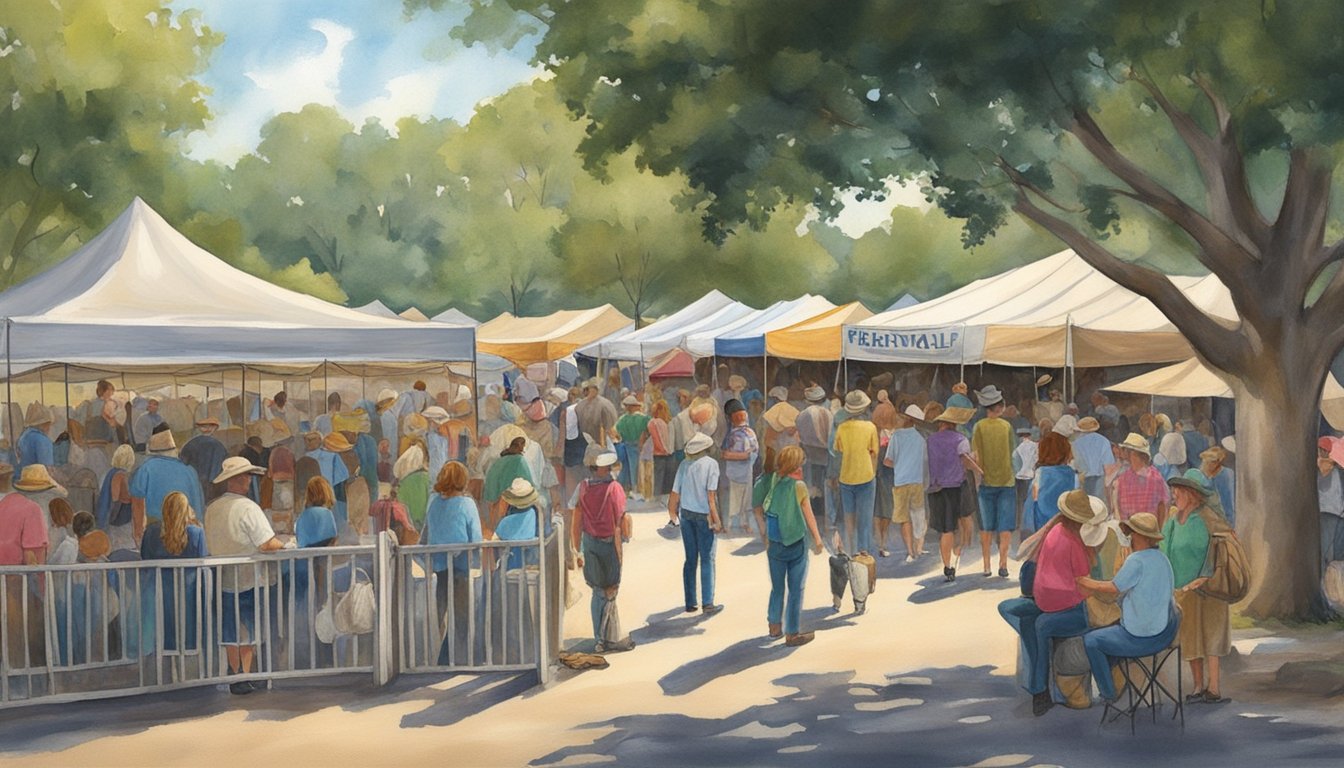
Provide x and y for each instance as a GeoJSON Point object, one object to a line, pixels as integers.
{"type": "Point", "coordinates": [508, 467]}
{"type": "Point", "coordinates": [412, 484]}
{"type": "Point", "coordinates": [784, 514]}
{"type": "Point", "coordinates": [1205, 633]}
{"type": "Point", "coordinates": [992, 448]}
{"type": "Point", "coordinates": [632, 428]}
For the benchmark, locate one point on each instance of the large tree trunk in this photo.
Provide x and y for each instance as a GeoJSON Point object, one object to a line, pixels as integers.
{"type": "Point", "coordinates": [1278, 517]}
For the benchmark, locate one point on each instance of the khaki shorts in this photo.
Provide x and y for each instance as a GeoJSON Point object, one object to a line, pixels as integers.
{"type": "Point", "coordinates": [905, 498]}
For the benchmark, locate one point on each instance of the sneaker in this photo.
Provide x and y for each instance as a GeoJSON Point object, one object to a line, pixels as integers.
{"type": "Point", "coordinates": [240, 688]}
{"type": "Point", "coordinates": [710, 610]}
{"type": "Point", "coordinates": [1213, 698]}
{"type": "Point", "coordinates": [802, 638]}
{"type": "Point", "coordinates": [909, 558]}
{"type": "Point", "coordinates": [1003, 573]}
{"type": "Point", "coordinates": [691, 609]}
{"type": "Point", "coordinates": [883, 553]}
{"type": "Point", "coordinates": [776, 631]}
{"type": "Point", "coordinates": [1195, 698]}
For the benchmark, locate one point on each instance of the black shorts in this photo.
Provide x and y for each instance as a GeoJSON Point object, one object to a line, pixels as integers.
{"type": "Point", "coordinates": [945, 506]}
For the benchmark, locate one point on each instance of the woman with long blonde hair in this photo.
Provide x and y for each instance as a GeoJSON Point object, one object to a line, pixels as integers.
{"type": "Point", "coordinates": [177, 535]}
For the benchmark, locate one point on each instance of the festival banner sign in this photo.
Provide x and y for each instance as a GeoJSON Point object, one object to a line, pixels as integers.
{"type": "Point", "coordinates": [949, 344]}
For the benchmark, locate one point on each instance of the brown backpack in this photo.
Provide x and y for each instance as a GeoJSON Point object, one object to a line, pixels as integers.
{"type": "Point", "coordinates": [1231, 578]}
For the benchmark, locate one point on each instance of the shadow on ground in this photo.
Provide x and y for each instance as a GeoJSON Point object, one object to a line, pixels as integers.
{"type": "Point", "coordinates": [945, 717]}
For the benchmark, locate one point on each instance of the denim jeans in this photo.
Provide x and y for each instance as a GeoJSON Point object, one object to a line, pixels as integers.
{"type": "Point", "coordinates": [628, 455]}
{"type": "Point", "coordinates": [856, 501]}
{"type": "Point", "coordinates": [1047, 626]}
{"type": "Point", "coordinates": [1114, 642]}
{"type": "Point", "coordinates": [788, 570]}
{"type": "Point", "coordinates": [698, 540]}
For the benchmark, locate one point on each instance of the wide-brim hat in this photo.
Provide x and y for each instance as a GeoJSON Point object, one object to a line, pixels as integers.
{"type": "Point", "coordinates": [1137, 443]}
{"type": "Point", "coordinates": [36, 478]}
{"type": "Point", "coordinates": [1066, 425]}
{"type": "Point", "coordinates": [335, 442]}
{"type": "Point", "coordinates": [1230, 444]}
{"type": "Point", "coordinates": [235, 466]}
{"type": "Point", "coordinates": [1088, 424]}
{"type": "Point", "coordinates": [557, 395]}
{"type": "Point", "coordinates": [1145, 524]}
{"type": "Point", "coordinates": [436, 414]}
{"type": "Point", "coordinates": [857, 401]}
{"type": "Point", "coordinates": [1094, 530]}
{"type": "Point", "coordinates": [520, 494]}
{"type": "Point", "coordinates": [38, 414]}
{"type": "Point", "coordinates": [1044, 379]}
{"type": "Point", "coordinates": [733, 406]}
{"type": "Point", "coordinates": [955, 415]}
{"type": "Point", "coordinates": [1185, 481]}
{"type": "Point", "coordinates": [161, 442]}
{"type": "Point", "coordinates": [1076, 505]}
{"type": "Point", "coordinates": [208, 421]}
{"type": "Point", "coordinates": [914, 412]}
{"type": "Point", "coordinates": [630, 401]}
{"type": "Point", "coordinates": [702, 412]}
{"type": "Point", "coordinates": [416, 424]}
{"type": "Point", "coordinates": [699, 443]}
{"type": "Point", "coordinates": [311, 440]}
{"type": "Point", "coordinates": [781, 416]}
{"type": "Point", "coordinates": [605, 459]}
{"type": "Point", "coordinates": [814, 394]}
{"type": "Point", "coordinates": [988, 396]}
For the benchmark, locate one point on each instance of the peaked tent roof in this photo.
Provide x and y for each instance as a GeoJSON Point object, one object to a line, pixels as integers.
{"type": "Point", "coordinates": [747, 339]}
{"type": "Point", "coordinates": [1053, 312]}
{"type": "Point", "coordinates": [454, 316]}
{"type": "Point", "coordinates": [817, 338]}
{"type": "Point", "coordinates": [673, 364]}
{"type": "Point", "coordinates": [905, 301]}
{"type": "Point", "coordinates": [713, 310]}
{"type": "Point", "coordinates": [414, 315]}
{"type": "Point", "coordinates": [376, 308]}
{"type": "Point", "coordinates": [526, 340]}
{"type": "Point", "coordinates": [142, 294]}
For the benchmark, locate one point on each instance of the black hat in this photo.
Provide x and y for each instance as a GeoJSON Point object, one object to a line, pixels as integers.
{"type": "Point", "coordinates": [160, 427]}
{"type": "Point", "coordinates": [733, 406]}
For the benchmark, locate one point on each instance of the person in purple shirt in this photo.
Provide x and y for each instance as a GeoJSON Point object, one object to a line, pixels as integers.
{"type": "Point", "coordinates": [161, 474]}
{"type": "Point", "coordinates": [949, 459]}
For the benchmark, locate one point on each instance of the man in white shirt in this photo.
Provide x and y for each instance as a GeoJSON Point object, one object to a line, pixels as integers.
{"type": "Point", "coordinates": [1025, 457]}
{"type": "Point", "coordinates": [236, 527]}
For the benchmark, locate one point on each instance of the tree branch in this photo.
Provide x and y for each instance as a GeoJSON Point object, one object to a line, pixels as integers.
{"type": "Point", "coordinates": [1223, 255]}
{"type": "Point", "coordinates": [1224, 347]}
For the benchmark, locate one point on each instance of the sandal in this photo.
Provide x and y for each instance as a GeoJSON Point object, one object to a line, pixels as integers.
{"type": "Point", "coordinates": [1196, 698]}
{"type": "Point", "coordinates": [1213, 698]}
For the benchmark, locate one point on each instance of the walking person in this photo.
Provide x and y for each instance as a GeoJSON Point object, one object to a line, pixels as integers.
{"type": "Point", "coordinates": [1093, 456]}
{"type": "Point", "coordinates": [740, 449]}
{"type": "Point", "coordinates": [950, 463]}
{"type": "Point", "coordinates": [599, 517]}
{"type": "Point", "coordinates": [856, 442]}
{"type": "Point", "coordinates": [814, 431]}
{"type": "Point", "coordinates": [1025, 456]}
{"type": "Point", "coordinates": [664, 461]}
{"type": "Point", "coordinates": [1205, 635]}
{"type": "Point", "coordinates": [992, 447]}
{"type": "Point", "coordinates": [633, 430]}
{"type": "Point", "coordinates": [886, 419]}
{"type": "Point", "coordinates": [784, 512]}
{"type": "Point", "coordinates": [693, 504]}
{"type": "Point", "coordinates": [907, 460]}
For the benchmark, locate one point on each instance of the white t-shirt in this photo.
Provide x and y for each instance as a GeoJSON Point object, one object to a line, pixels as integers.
{"type": "Point", "coordinates": [571, 423]}
{"type": "Point", "coordinates": [235, 526]}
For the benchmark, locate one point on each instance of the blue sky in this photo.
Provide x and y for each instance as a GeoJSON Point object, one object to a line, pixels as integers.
{"type": "Point", "coordinates": [362, 56]}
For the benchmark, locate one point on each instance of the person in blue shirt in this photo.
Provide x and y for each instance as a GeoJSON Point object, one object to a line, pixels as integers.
{"type": "Point", "coordinates": [161, 474]}
{"type": "Point", "coordinates": [334, 470]}
{"type": "Point", "coordinates": [1148, 617]}
{"type": "Point", "coordinates": [452, 518]}
{"type": "Point", "coordinates": [1092, 454]}
{"type": "Point", "coordinates": [693, 506]}
{"type": "Point", "coordinates": [205, 454]}
{"type": "Point", "coordinates": [520, 522]}
{"type": "Point", "coordinates": [177, 535]}
{"type": "Point", "coordinates": [34, 446]}
{"type": "Point", "coordinates": [1219, 476]}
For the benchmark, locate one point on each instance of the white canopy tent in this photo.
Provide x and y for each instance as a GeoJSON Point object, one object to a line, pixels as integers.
{"type": "Point", "coordinates": [1055, 312]}
{"type": "Point", "coordinates": [748, 339]}
{"type": "Point", "coordinates": [453, 316]}
{"type": "Point", "coordinates": [703, 343]}
{"type": "Point", "coordinates": [142, 294]}
{"type": "Point", "coordinates": [377, 309]}
{"type": "Point", "coordinates": [1191, 379]}
{"type": "Point", "coordinates": [711, 311]}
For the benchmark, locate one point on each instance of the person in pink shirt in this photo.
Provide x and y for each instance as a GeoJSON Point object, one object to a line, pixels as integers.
{"type": "Point", "coordinates": [1059, 610]}
{"type": "Point", "coordinates": [23, 541]}
{"type": "Point", "coordinates": [1139, 487]}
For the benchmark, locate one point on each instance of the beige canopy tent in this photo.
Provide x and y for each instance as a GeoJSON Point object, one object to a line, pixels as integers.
{"type": "Point", "coordinates": [1192, 379]}
{"type": "Point", "coordinates": [527, 340]}
{"type": "Point", "coordinates": [817, 338]}
{"type": "Point", "coordinates": [1055, 312]}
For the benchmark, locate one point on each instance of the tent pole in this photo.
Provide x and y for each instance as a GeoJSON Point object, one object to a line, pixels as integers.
{"type": "Point", "coordinates": [67, 392]}
{"type": "Point", "coordinates": [475, 410]}
{"type": "Point", "coordinates": [242, 401]}
{"type": "Point", "coordinates": [42, 385]}
{"type": "Point", "coordinates": [9, 387]}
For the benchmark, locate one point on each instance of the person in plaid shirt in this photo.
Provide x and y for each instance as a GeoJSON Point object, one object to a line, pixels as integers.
{"type": "Point", "coordinates": [1139, 487]}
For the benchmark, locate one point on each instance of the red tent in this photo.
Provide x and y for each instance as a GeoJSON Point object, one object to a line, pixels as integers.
{"type": "Point", "coordinates": [673, 364]}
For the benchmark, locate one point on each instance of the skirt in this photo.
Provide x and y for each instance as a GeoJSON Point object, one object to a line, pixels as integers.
{"type": "Point", "coordinates": [1205, 626]}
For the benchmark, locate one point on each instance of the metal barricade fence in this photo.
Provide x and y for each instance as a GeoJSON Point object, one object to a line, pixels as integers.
{"type": "Point", "coordinates": [96, 630]}
{"type": "Point", "coordinates": [491, 606]}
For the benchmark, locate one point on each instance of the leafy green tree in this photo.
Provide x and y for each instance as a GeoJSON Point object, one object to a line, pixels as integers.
{"type": "Point", "coordinates": [1220, 123]}
{"type": "Point", "coordinates": [97, 99]}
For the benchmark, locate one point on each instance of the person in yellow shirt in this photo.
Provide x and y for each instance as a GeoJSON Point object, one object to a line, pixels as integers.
{"type": "Point", "coordinates": [856, 442]}
{"type": "Point", "coordinates": [992, 448]}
